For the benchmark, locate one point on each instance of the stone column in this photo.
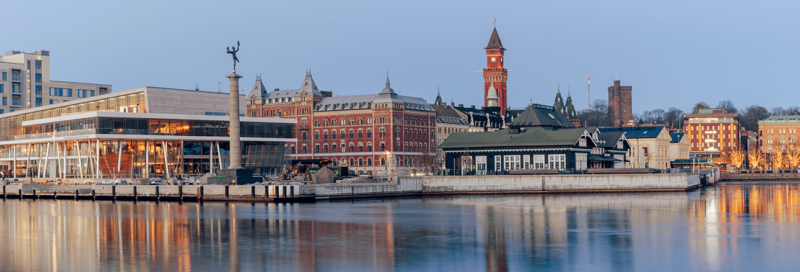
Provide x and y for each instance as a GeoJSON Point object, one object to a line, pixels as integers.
{"type": "Point", "coordinates": [236, 145]}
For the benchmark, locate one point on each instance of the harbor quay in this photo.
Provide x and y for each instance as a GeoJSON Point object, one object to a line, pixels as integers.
{"type": "Point", "coordinates": [400, 186]}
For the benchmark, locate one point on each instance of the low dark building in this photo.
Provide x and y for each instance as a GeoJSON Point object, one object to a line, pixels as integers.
{"type": "Point", "coordinates": [539, 138]}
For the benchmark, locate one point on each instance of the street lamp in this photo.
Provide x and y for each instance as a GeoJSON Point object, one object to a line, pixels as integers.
{"type": "Point", "coordinates": [389, 164]}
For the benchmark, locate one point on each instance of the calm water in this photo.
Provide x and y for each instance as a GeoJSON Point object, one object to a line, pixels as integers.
{"type": "Point", "coordinates": [731, 226]}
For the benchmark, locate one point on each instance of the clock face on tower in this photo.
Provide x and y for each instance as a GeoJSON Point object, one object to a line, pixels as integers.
{"type": "Point", "coordinates": [494, 59]}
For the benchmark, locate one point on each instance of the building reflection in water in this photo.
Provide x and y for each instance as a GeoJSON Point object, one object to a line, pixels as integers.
{"type": "Point", "coordinates": [709, 229]}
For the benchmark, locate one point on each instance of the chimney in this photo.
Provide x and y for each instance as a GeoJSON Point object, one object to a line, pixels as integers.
{"type": "Point", "coordinates": [460, 105]}
{"type": "Point", "coordinates": [472, 106]}
{"type": "Point", "coordinates": [277, 89]}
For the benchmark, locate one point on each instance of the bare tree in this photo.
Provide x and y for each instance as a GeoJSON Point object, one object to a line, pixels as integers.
{"type": "Point", "coordinates": [751, 115]}
{"type": "Point", "coordinates": [700, 105]}
{"type": "Point", "coordinates": [727, 105]}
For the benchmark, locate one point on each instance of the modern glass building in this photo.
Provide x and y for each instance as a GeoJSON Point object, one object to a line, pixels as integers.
{"type": "Point", "coordinates": [140, 133]}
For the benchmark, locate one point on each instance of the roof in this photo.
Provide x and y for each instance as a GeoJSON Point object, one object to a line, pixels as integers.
{"type": "Point", "coordinates": [609, 139]}
{"type": "Point", "coordinates": [365, 101]}
{"type": "Point", "coordinates": [258, 91]}
{"type": "Point", "coordinates": [636, 132]}
{"type": "Point", "coordinates": [309, 86]}
{"type": "Point", "coordinates": [492, 92]}
{"type": "Point", "coordinates": [570, 109]}
{"type": "Point", "coordinates": [536, 115]}
{"type": "Point", "coordinates": [438, 100]}
{"type": "Point", "coordinates": [676, 137]}
{"type": "Point", "coordinates": [781, 119]}
{"type": "Point", "coordinates": [559, 102]}
{"type": "Point", "coordinates": [601, 158]}
{"type": "Point", "coordinates": [532, 137]}
{"type": "Point", "coordinates": [445, 114]}
{"type": "Point", "coordinates": [494, 41]}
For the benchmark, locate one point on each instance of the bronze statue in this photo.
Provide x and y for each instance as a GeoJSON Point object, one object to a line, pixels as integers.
{"type": "Point", "coordinates": [235, 49]}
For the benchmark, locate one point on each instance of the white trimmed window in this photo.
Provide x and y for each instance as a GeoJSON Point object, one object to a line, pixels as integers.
{"type": "Point", "coordinates": [511, 162]}
{"type": "Point", "coordinates": [581, 161]}
{"type": "Point", "coordinates": [538, 162]}
{"type": "Point", "coordinates": [498, 163]}
{"type": "Point", "coordinates": [526, 162]}
{"type": "Point", "coordinates": [557, 161]}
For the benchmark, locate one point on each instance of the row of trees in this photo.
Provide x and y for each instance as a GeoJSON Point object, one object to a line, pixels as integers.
{"type": "Point", "coordinates": [784, 158]}
{"type": "Point", "coordinates": [598, 115]}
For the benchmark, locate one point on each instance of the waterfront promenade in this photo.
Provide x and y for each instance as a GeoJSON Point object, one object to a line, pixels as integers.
{"type": "Point", "coordinates": [403, 186]}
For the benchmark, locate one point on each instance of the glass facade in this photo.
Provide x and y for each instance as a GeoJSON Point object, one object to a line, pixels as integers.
{"type": "Point", "coordinates": [134, 126]}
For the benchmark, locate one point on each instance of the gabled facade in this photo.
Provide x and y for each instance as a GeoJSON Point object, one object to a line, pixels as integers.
{"type": "Point", "coordinates": [539, 138]}
{"type": "Point", "coordinates": [364, 132]}
{"type": "Point", "coordinates": [650, 146]}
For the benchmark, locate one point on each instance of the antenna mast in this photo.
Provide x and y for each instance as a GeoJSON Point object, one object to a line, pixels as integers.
{"type": "Point", "coordinates": [219, 87]}
{"type": "Point", "coordinates": [589, 86]}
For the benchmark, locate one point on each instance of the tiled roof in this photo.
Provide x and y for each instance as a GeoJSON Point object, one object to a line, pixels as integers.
{"type": "Point", "coordinates": [494, 41]}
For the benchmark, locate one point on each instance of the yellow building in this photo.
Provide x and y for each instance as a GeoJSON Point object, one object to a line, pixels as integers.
{"type": "Point", "coordinates": [650, 146]}
{"type": "Point", "coordinates": [679, 147]}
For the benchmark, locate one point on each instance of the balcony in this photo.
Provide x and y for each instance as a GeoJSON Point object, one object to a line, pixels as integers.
{"type": "Point", "coordinates": [17, 104]}
{"type": "Point", "coordinates": [16, 78]}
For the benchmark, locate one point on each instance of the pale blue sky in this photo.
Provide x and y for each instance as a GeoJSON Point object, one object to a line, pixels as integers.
{"type": "Point", "coordinates": [673, 53]}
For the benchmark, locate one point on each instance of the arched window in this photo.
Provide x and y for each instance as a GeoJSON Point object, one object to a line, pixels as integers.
{"type": "Point", "coordinates": [352, 162]}
{"type": "Point", "coordinates": [383, 161]}
{"type": "Point", "coordinates": [360, 162]}
{"type": "Point", "coordinates": [352, 148]}
{"type": "Point", "coordinates": [360, 147]}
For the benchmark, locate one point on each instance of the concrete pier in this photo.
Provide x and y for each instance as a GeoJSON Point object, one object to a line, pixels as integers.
{"type": "Point", "coordinates": [405, 186]}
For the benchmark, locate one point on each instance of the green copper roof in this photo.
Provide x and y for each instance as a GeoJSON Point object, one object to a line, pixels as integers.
{"type": "Point", "coordinates": [532, 137]}
{"type": "Point", "coordinates": [781, 119]}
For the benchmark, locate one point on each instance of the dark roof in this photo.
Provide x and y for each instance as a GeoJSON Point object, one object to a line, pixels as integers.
{"type": "Point", "coordinates": [445, 114]}
{"type": "Point", "coordinates": [494, 41]}
{"type": "Point", "coordinates": [536, 115]}
{"type": "Point", "coordinates": [558, 103]}
{"type": "Point", "coordinates": [609, 139]}
{"type": "Point", "coordinates": [636, 132]}
{"type": "Point", "coordinates": [570, 109]}
{"type": "Point", "coordinates": [532, 137]}
{"type": "Point", "coordinates": [601, 158]}
{"type": "Point", "coordinates": [676, 137]}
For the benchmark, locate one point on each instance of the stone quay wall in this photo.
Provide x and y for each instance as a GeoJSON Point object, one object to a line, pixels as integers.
{"type": "Point", "coordinates": [559, 183]}
{"type": "Point", "coordinates": [759, 176]}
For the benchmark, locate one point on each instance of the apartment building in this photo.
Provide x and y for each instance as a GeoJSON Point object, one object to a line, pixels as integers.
{"type": "Point", "coordinates": [25, 83]}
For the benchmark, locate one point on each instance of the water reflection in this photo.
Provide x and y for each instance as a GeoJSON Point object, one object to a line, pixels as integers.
{"type": "Point", "coordinates": [732, 226]}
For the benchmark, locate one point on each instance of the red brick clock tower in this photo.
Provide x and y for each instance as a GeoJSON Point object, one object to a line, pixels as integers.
{"type": "Point", "coordinates": [495, 74]}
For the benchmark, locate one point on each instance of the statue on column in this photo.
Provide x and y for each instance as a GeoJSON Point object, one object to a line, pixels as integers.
{"type": "Point", "coordinates": [235, 49]}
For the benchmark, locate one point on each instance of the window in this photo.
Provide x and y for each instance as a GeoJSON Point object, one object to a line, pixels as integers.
{"type": "Point", "coordinates": [325, 135]}
{"type": "Point", "coordinates": [538, 162]}
{"type": "Point", "coordinates": [343, 148]}
{"type": "Point", "coordinates": [333, 148]}
{"type": "Point", "coordinates": [351, 133]}
{"type": "Point", "coordinates": [325, 148]}
{"type": "Point", "coordinates": [316, 148]}
{"type": "Point", "coordinates": [342, 132]}
{"type": "Point", "coordinates": [38, 78]}
{"type": "Point", "coordinates": [360, 147]}
{"type": "Point", "coordinates": [53, 101]}
{"type": "Point", "coordinates": [2, 89]}
{"type": "Point", "coordinates": [511, 162]}
{"type": "Point", "coordinates": [369, 133]}
{"type": "Point", "coordinates": [304, 137]}
{"type": "Point", "coordinates": [526, 162]}
{"type": "Point", "coordinates": [383, 161]}
{"type": "Point", "coordinates": [316, 135]}
{"type": "Point", "coordinates": [582, 142]}
{"type": "Point", "coordinates": [4, 101]}
{"type": "Point", "coordinates": [333, 134]}
{"type": "Point", "coordinates": [383, 147]}
{"type": "Point", "coordinates": [644, 151]}
{"type": "Point", "coordinates": [369, 147]}
{"type": "Point", "coordinates": [360, 133]}
{"type": "Point", "coordinates": [382, 131]}
{"type": "Point", "coordinates": [38, 64]}
{"type": "Point", "coordinates": [5, 76]}
{"type": "Point", "coordinates": [498, 163]}
{"type": "Point", "coordinates": [304, 149]}
{"type": "Point", "coordinates": [352, 147]}
{"type": "Point", "coordinates": [38, 101]}
{"type": "Point", "coordinates": [581, 162]}
{"type": "Point", "coordinates": [557, 161]}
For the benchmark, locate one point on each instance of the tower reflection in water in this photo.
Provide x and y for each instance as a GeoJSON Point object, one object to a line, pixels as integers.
{"type": "Point", "coordinates": [713, 228]}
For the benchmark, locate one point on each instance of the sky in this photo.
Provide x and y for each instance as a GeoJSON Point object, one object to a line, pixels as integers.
{"type": "Point", "coordinates": [673, 53]}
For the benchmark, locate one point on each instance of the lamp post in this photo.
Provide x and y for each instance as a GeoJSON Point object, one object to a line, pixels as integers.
{"type": "Point", "coordinates": [389, 164]}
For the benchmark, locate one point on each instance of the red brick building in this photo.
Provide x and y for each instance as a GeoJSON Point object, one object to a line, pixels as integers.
{"type": "Point", "coordinates": [620, 104]}
{"type": "Point", "coordinates": [363, 132]}
{"type": "Point", "coordinates": [495, 74]}
{"type": "Point", "coordinates": [712, 132]}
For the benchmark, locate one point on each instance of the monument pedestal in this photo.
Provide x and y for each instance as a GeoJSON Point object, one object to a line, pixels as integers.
{"type": "Point", "coordinates": [234, 176]}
